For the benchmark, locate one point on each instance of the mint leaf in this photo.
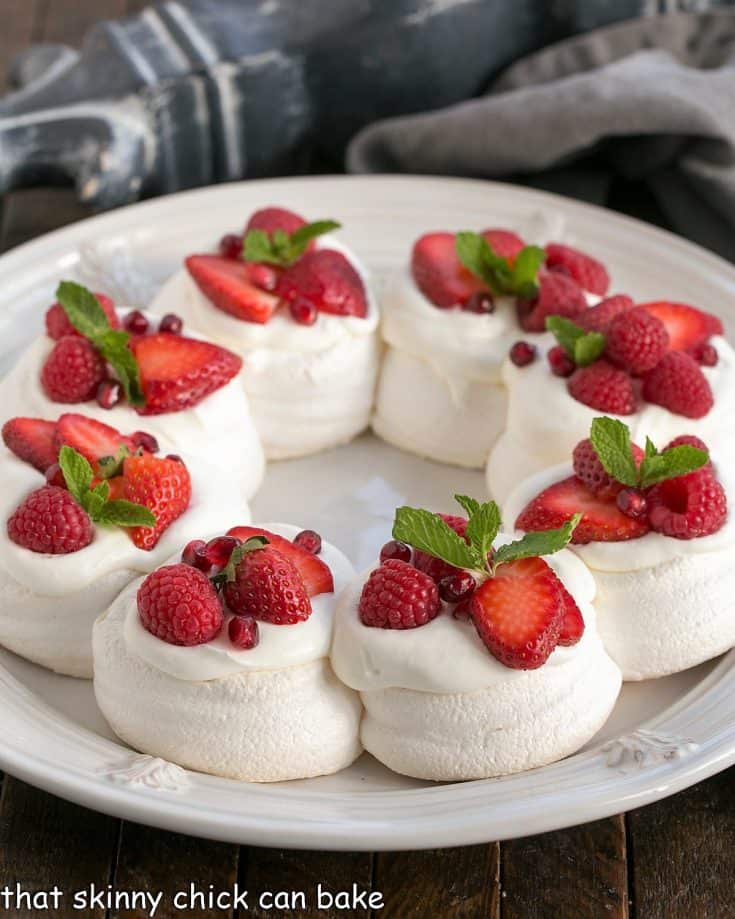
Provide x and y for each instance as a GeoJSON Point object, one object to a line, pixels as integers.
{"type": "Point", "coordinates": [482, 528]}
{"type": "Point", "coordinates": [77, 473]}
{"type": "Point", "coordinates": [524, 274]}
{"type": "Point", "coordinates": [582, 347]}
{"type": "Point", "coordinates": [469, 505]}
{"type": "Point", "coordinates": [82, 309]}
{"type": "Point", "coordinates": [650, 448]}
{"type": "Point", "coordinates": [519, 279]}
{"type": "Point", "coordinates": [113, 346]}
{"type": "Point", "coordinates": [301, 238]}
{"type": "Point", "coordinates": [125, 514]}
{"type": "Point", "coordinates": [546, 542]}
{"type": "Point", "coordinates": [611, 441]}
{"type": "Point", "coordinates": [587, 348]}
{"type": "Point", "coordinates": [280, 248]}
{"type": "Point", "coordinates": [257, 246]}
{"type": "Point", "coordinates": [428, 532]}
{"type": "Point", "coordinates": [671, 464]}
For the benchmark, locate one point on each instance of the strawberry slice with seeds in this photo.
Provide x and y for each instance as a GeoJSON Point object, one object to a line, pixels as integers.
{"type": "Point", "coordinates": [163, 486]}
{"type": "Point", "coordinates": [91, 438]}
{"type": "Point", "coordinates": [602, 520]}
{"type": "Point", "coordinates": [687, 326]}
{"type": "Point", "coordinates": [315, 573]}
{"type": "Point", "coordinates": [32, 440]}
{"type": "Point", "coordinates": [326, 279]}
{"type": "Point", "coordinates": [572, 623]}
{"type": "Point", "coordinates": [177, 373]}
{"type": "Point", "coordinates": [269, 219]}
{"type": "Point", "coordinates": [227, 284]}
{"type": "Point", "coordinates": [518, 613]}
{"type": "Point", "coordinates": [438, 272]}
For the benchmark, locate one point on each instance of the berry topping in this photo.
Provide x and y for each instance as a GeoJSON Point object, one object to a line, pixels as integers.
{"type": "Point", "coordinates": [590, 274]}
{"type": "Point", "coordinates": [504, 243]}
{"type": "Point", "coordinates": [267, 586]}
{"type": "Point", "coordinates": [109, 393]}
{"type": "Point", "coordinates": [395, 549]}
{"type": "Point", "coordinates": [315, 573]}
{"type": "Point", "coordinates": [145, 441]}
{"type": "Point", "coordinates": [631, 501]}
{"type": "Point", "coordinates": [457, 587]}
{"type": "Point", "coordinates": [58, 325]}
{"type": "Point", "coordinates": [179, 605]}
{"type": "Point", "coordinates": [177, 373]}
{"type": "Point", "coordinates": [55, 476]}
{"type": "Point", "coordinates": [227, 284]}
{"type": "Point", "coordinates": [397, 596]}
{"type": "Point", "coordinates": [439, 274]}
{"type": "Point", "coordinates": [161, 485]}
{"type": "Point", "coordinates": [327, 280]}
{"type": "Point", "coordinates": [480, 302]}
{"type": "Point", "coordinates": [522, 353]}
{"type": "Point", "coordinates": [136, 323]}
{"type": "Point", "coordinates": [705, 354]}
{"type": "Point", "coordinates": [678, 384]}
{"type": "Point", "coordinates": [193, 554]}
{"type": "Point", "coordinates": [604, 388]}
{"type": "Point", "coordinates": [308, 540]}
{"type": "Point", "coordinates": [588, 467]}
{"type": "Point", "coordinates": [572, 623]}
{"type": "Point", "coordinates": [688, 506]}
{"type": "Point", "coordinates": [557, 295]}
{"type": "Point", "coordinates": [561, 364]}
{"type": "Point", "coordinates": [263, 276]}
{"type": "Point", "coordinates": [91, 438]}
{"type": "Point", "coordinates": [171, 323]}
{"type": "Point", "coordinates": [230, 246]}
{"type": "Point", "coordinates": [50, 521]}
{"type": "Point", "coordinates": [216, 554]}
{"type": "Point", "coordinates": [73, 371]}
{"type": "Point", "coordinates": [636, 340]}
{"type": "Point", "coordinates": [462, 610]}
{"type": "Point", "coordinates": [687, 326]}
{"type": "Point", "coordinates": [270, 219]}
{"type": "Point", "coordinates": [32, 440]}
{"type": "Point", "coordinates": [243, 632]}
{"type": "Point", "coordinates": [599, 317]}
{"type": "Point", "coordinates": [303, 311]}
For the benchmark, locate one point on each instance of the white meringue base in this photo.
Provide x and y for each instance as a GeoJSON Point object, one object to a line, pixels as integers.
{"type": "Point", "coordinates": [452, 420]}
{"type": "Point", "coordinates": [262, 726]}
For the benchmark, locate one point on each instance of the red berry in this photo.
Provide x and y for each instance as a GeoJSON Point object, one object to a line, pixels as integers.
{"type": "Point", "coordinates": [590, 274]}
{"type": "Point", "coordinates": [505, 243]}
{"type": "Point", "coordinates": [688, 440]}
{"type": "Point", "coordinates": [572, 625]}
{"type": "Point", "coordinates": [463, 610]}
{"type": "Point", "coordinates": [303, 312]}
{"type": "Point", "coordinates": [230, 246]}
{"type": "Point", "coordinates": [146, 441]}
{"type": "Point", "coordinates": [135, 323]}
{"type": "Point", "coordinates": [327, 279]}
{"type": "Point", "coordinates": [171, 323]}
{"type": "Point", "coordinates": [228, 285]}
{"type": "Point", "coordinates": [90, 437]}
{"type": "Point", "coordinates": [193, 555]}
{"type": "Point", "coordinates": [705, 354]}
{"type": "Point", "coordinates": [395, 549]}
{"type": "Point", "coordinates": [314, 571]}
{"type": "Point", "coordinates": [438, 272]}
{"type": "Point", "coordinates": [604, 388]}
{"type": "Point", "coordinates": [557, 296]}
{"type": "Point", "coordinates": [54, 476]}
{"type": "Point", "coordinates": [32, 440]}
{"type": "Point", "coordinates": [561, 364]}
{"type": "Point", "coordinates": [678, 384]}
{"type": "Point", "coordinates": [631, 501]}
{"type": "Point", "coordinates": [686, 325]}
{"type": "Point", "coordinates": [522, 353]}
{"type": "Point", "coordinates": [479, 302]}
{"type": "Point", "coordinates": [263, 276]}
{"type": "Point", "coordinates": [308, 540]}
{"type": "Point", "coordinates": [599, 317]}
{"type": "Point", "coordinates": [72, 371]}
{"type": "Point", "coordinates": [243, 632]}
{"type": "Point", "coordinates": [268, 587]}
{"type": "Point", "coordinates": [109, 393]}
{"type": "Point", "coordinates": [688, 506]}
{"type": "Point", "coordinates": [275, 218]}
{"type": "Point", "coordinates": [457, 587]}
{"type": "Point", "coordinates": [398, 596]}
{"type": "Point", "coordinates": [161, 485]}
{"type": "Point", "coordinates": [636, 340]}
{"type": "Point", "coordinates": [179, 605]}
{"type": "Point", "coordinates": [58, 325]}
{"type": "Point", "coordinates": [217, 552]}
{"type": "Point", "coordinates": [49, 520]}
{"type": "Point", "coordinates": [589, 469]}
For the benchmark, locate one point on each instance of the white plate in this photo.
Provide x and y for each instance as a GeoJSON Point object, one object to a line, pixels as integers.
{"type": "Point", "coordinates": [663, 736]}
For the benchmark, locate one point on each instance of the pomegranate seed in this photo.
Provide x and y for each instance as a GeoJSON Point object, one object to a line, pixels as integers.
{"type": "Point", "coordinates": [54, 476]}
{"type": "Point", "coordinates": [480, 302]}
{"type": "Point", "coordinates": [462, 610]}
{"type": "Point", "coordinates": [135, 323]}
{"type": "Point", "coordinates": [263, 276]}
{"type": "Point", "coordinates": [309, 541]}
{"type": "Point", "coordinates": [193, 555]}
{"type": "Point", "coordinates": [230, 246]}
{"type": "Point", "coordinates": [303, 311]}
{"type": "Point", "coordinates": [561, 364]}
{"type": "Point", "coordinates": [522, 353]}
{"type": "Point", "coordinates": [171, 323]}
{"type": "Point", "coordinates": [396, 549]}
{"type": "Point", "coordinates": [218, 551]}
{"type": "Point", "coordinates": [109, 393]}
{"type": "Point", "coordinates": [706, 355]}
{"type": "Point", "coordinates": [457, 587]}
{"type": "Point", "coordinates": [147, 441]}
{"type": "Point", "coordinates": [631, 502]}
{"type": "Point", "coordinates": [243, 632]}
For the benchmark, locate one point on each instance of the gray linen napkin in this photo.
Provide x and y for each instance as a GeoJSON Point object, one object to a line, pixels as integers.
{"type": "Point", "coordinates": [651, 99]}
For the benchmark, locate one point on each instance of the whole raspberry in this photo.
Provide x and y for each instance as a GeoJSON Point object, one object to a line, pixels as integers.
{"type": "Point", "coordinates": [268, 587]}
{"type": "Point", "coordinates": [558, 295]}
{"type": "Point", "coordinates": [590, 274]}
{"type": "Point", "coordinates": [636, 340]}
{"type": "Point", "coordinates": [689, 440]}
{"type": "Point", "coordinates": [604, 388]}
{"type": "Point", "coordinates": [72, 371]}
{"type": "Point", "coordinates": [589, 469]}
{"type": "Point", "coordinates": [50, 521]}
{"type": "Point", "coordinates": [57, 324]}
{"type": "Point", "coordinates": [599, 317]}
{"type": "Point", "coordinates": [688, 506]}
{"type": "Point", "coordinates": [678, 384]}
{"type": "Point", "coordinates": [397, 596]}
{"type": "Point", "coordinates": [179, 605]}
{"type": "Point", "coordinates": [435, 567]}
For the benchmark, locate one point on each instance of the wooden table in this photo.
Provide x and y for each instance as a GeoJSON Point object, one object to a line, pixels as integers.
{"type": "Point", "coordinates": [672, 859]}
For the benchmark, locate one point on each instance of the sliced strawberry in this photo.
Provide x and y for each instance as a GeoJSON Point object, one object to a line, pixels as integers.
{"type": "Point", "coordinates": [91, 438]}
{"type": "Point", "coordinates": [178, 372]}
{"type": "Point", "coordinates": [163, 486]}
{"type": "Point", "coordinates": [572, 623]}
{"type": "Point", "coordinates": [32, 440]}
{"type": "Point", "coordinates": [326, 279]}
{"type": "Point", "coordinates": [687, 326]}
{"type": "Point", "coordinates": [275, 218]}
{"type": "Point", "coordinates": [602, 521]}
{"type": "Point", "coordinates": [227, 284]}
{"type": "Point", "coordinates": [439, 274]}
{"type": "Point", "coordinates": [505, 243]}
{"type": "Point", "coordinates": [315, 573]}
{"type": "Point", "coordinates": [518, 613]}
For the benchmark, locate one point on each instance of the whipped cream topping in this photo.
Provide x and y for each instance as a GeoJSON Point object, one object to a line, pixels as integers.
{"type": "Point", "coordinates": [630, 554]}
{"type": "Point", "coordinates": [279, 645]}
{"type": "Point", "coordinates": [446, 655]}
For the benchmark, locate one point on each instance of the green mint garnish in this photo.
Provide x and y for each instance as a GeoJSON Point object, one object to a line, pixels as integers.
{"type": "Point", "coordinates": [519, 279]}
{"type": "Point", "coordinates": [427, 531]}
{"type": "Point", "coordinates": [78, 475]}
{"type": "Point", "coordinates": [89, 319]}
{"type": "Point", "coordinates": [582, 347]}
{"type": "Point", "coordinates": [611, 441]}
{"type": "Point", "coordinates": [281, 248]}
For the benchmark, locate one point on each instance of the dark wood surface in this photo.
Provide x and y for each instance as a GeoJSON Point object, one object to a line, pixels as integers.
{"type": "Point", "coordinates": [673, 859]}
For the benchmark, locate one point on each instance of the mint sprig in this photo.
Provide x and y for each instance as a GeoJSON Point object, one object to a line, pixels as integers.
{"type": "Point", "coordinates": [543, 542]}
{"type": "Point", "coordinates": [581, 346]}
{"type": "Point", "coordinates": [89, 319]}
{"type": "Point", "coordinates": [281, 248]}
{"type": "Point", "coordinates": [611, 441]}
{"type": "Point", "coordinates": [78, 475]}
{"type": "Point", "coordinates": [519, 279]}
